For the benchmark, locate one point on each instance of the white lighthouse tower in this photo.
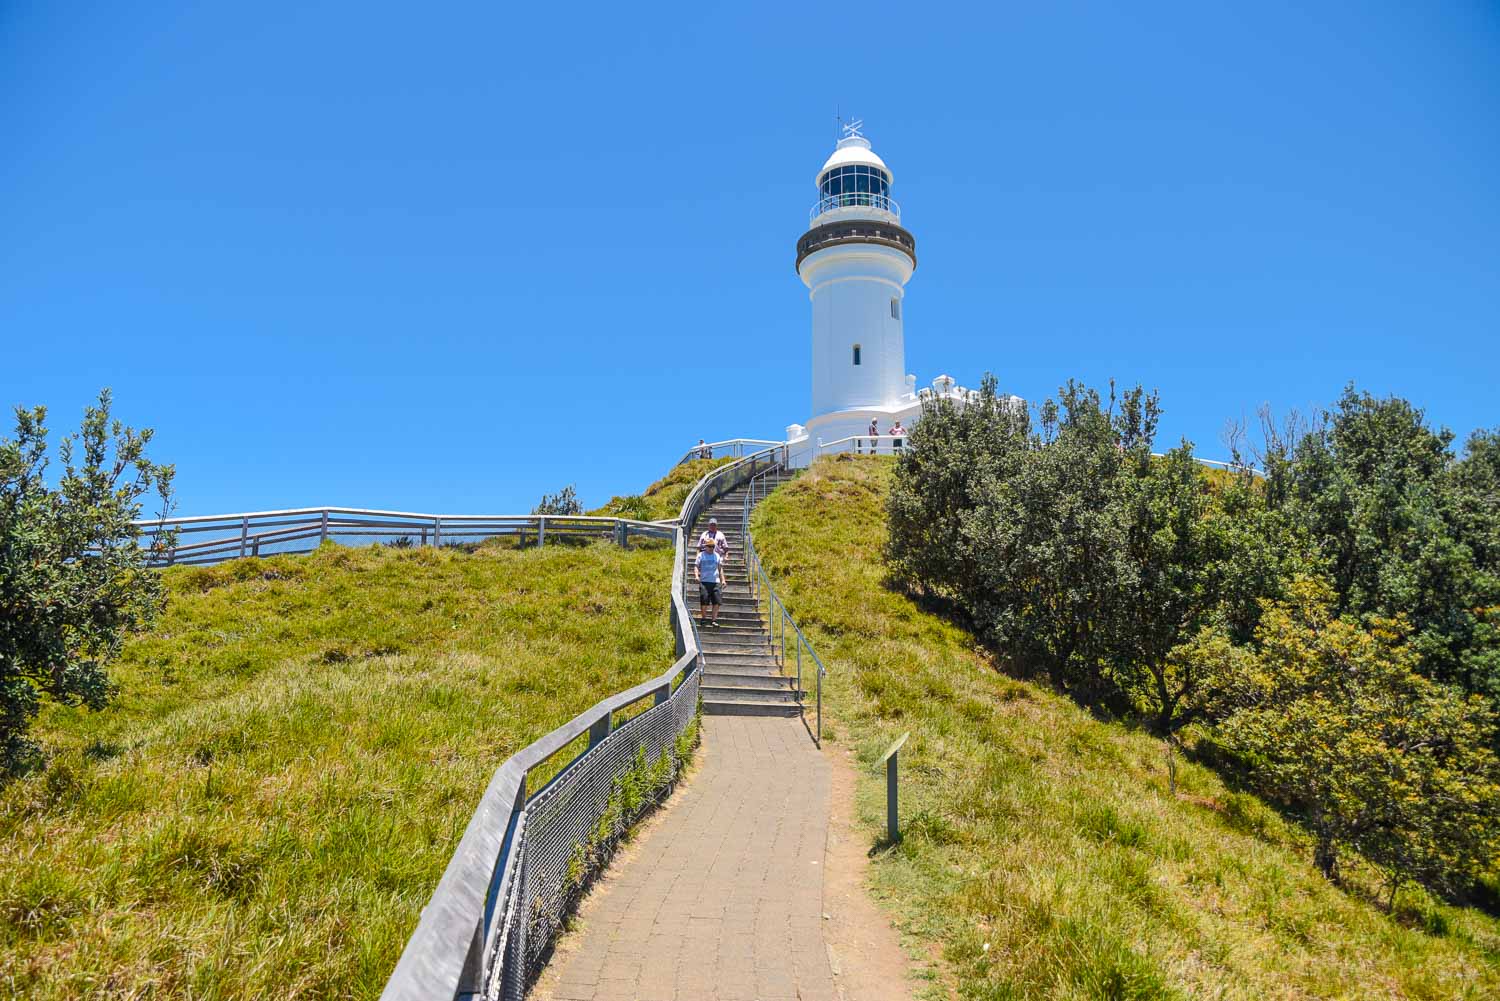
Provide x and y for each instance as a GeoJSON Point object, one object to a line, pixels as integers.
{"type": "Point", "coordinates": [856, 259]}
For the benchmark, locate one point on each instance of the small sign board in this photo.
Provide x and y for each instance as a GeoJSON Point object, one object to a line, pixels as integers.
{"type": "Point", "coordinates": [900, 741]}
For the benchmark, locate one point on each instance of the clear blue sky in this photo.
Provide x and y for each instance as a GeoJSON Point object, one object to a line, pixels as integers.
{"type": "Point", "coordinates": [449, 257]}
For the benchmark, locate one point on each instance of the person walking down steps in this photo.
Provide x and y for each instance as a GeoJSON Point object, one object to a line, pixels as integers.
{"type": "Point", "coordinates": [710, 583]}
{"type": "Point", "coordinates": [714, 539]}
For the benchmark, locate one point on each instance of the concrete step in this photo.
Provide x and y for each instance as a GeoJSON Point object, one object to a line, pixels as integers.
{"type": "Point", "coordinates": [729, 641]}
{"type": "Point", "coordinates": [713, 651]}
{"type": "Point", "coordinates": [748, 662]}
{"type": "Point", "coordinates": [716, 679]}
{"type": "Point", "coordinates": [734, 620]}
{"type": "Point", "coordinates": [718, 640]}
{"type": "Point", "coordinates": [743, 693]}
{"type": "Point", "coordinates": [734, 708]}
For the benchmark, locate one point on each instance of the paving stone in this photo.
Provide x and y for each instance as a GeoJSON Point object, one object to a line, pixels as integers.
{"type": "Point", "coordinates": [735, 901]}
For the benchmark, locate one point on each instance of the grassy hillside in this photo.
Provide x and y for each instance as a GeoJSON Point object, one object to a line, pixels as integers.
{"type": "Point", "coordinates": [662, 499]}
{"type": "Point", "coordinates": [295, 752]}
{"type": "Point", "coordinates": [1044, 856]}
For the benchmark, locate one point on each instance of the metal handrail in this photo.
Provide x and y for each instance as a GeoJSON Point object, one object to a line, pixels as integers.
{"type": "Point", "coordinates": [472, 935]}
{"type": "Point", "coordinates": [150, 522]}
{"type": "Point", "coordinates": [264, 533]}
{"type": "Point", "coordinates": [863, 444]}
{"type": "Point", "coordinates": [885, 444]}
{"type": "Point", "coordinates": [854, 199]}
{"type": "Point", "coordinates": [734, 447]}
{"type": "Point", "coordinates": [776, 613]}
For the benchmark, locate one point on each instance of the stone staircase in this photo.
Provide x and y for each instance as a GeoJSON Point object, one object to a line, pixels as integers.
{"type": "Point", "coordinates": [740, 674]}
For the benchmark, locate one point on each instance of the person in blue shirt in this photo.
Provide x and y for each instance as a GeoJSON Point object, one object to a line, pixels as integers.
{"type": "Point", "coordinates": [710, 582]}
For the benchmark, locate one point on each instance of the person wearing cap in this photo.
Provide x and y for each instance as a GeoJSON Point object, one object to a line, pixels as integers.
{"type": "Point", "coordinates": [714, 539]}
{"type": "Point", "coordinates": [710, 585]}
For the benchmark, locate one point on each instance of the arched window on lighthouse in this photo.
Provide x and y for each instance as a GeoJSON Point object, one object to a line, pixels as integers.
{"type": "Point", "coordinates": [856, 354]}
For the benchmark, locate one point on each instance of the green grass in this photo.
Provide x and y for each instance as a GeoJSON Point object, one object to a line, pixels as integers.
{"type": "Point", "coordinates": [662, 499]}
{"type": "Point", "coordinates": [1043, 855]}
{"type": "Point", "coordinates": [293, 756]}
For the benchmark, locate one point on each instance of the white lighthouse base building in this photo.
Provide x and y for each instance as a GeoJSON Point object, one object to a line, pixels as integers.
{"type": "Point", "coordinates": [848, 430]}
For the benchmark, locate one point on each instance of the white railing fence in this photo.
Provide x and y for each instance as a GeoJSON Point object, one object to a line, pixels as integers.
{"type": "Point", "coordinates": [867, 444]}
{"type": "Point", "coordinates": [803, 452]}
{"type": "Point", "coordinates": [214, 538]}
{"type": "Point", "coordinates": [853, 200]}
{"type": "Point", "coordinates": [729, 448]}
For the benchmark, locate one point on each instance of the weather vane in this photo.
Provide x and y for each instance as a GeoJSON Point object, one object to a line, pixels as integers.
{"type": "Point", "coordinates": [852, 129]}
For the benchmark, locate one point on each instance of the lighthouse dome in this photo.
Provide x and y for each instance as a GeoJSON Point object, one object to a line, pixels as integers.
{"type": "Point", "coordinates": [853, 151]}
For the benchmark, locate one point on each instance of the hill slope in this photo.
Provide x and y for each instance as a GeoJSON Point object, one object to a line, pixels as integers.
{"type": "Point", "coordinates": [296, 750]}
{"type": "Point", "coordinates": [662, 499]}
{"type": "Point", "coordinates": [1043, 855]}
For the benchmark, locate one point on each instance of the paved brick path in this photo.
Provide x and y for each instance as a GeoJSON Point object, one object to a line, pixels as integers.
{"type": "Point", "coordinates": [720, 899]}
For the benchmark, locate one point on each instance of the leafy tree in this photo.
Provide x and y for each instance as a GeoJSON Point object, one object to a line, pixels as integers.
{"type": "Point", "coordinates": [565, 501]}
{"type": "Point", "coordinates": [73, 576]}
{"type": "Point", "coordinates": [1077, 552]}
{"type": "Point", "coordinates": [1373, 486]}
{"type": "Point", "coordinates": [951, 451]}
{"type": "Point", "coordinates": [1049, 540]}
{"type": "Point", "coordinates": [1228, 553]}
{"type": "Point", "coordinates": [1333, 716]}
{"type": "Point", "coordinates": [1475, 482]}
{"type": "Point", "coordinates": [1474, 506]}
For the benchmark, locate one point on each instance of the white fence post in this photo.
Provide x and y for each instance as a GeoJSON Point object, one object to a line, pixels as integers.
{"type": "Point", "coordinates": [244, 534]}
{"type": "Point", "coordinates": [324, 537]}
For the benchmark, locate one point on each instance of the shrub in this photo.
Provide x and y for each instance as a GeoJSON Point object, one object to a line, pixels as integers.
{"type": "Point", "coordinates": [1403, 527]}
{"type": "Point", "coordinates": [565, 501]}
{"type": "Point", "coordinates": [1335, 717]}
{"type": "Point", "coordinates": [1076, 552]}
{"type": "Point", "coordinates": [634, 506]}
{"type": "Point", "coordinates": [73, 576]}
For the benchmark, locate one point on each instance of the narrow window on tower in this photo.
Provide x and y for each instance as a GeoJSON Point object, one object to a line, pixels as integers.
{"type": "Point", "coordinates": [895, 309]}
{"type": "Point", "coordinates": [856, 354]}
